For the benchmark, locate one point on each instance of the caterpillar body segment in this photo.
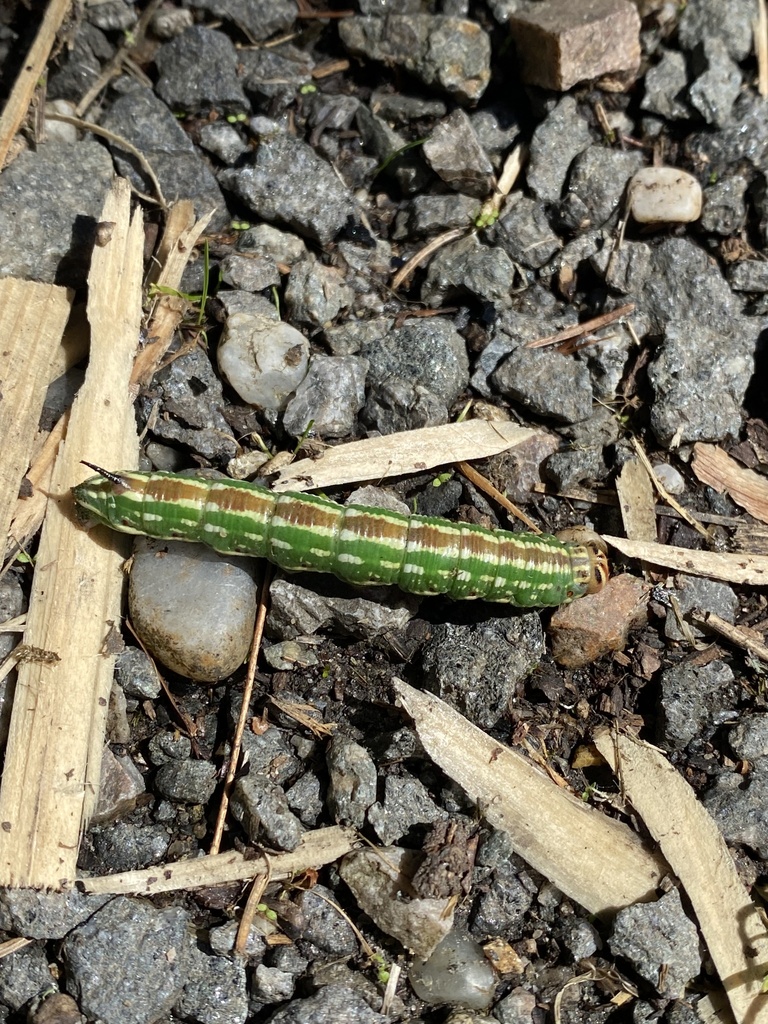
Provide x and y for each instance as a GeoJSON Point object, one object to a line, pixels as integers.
{"type": "Point", "coordinates": [360, 545]}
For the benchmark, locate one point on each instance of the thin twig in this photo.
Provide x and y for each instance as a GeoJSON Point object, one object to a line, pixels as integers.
{"type": "Point", "coordinates": [95, 129]}
{"type": "Point", "coordinates": [15, 625]}
{"type": "Point", "coordinates": [331, 67]}
{"type": "Point", "coordinates": [366, 947]}
{"type": "Point", "coordinates": [9, 663]}
{"type": "Point", "coordinates": [409, 314]}
{"type": "Point", "coordinates": [258, 888]}
{"type": "Point", "coordinates": [606, 497]}
{"type": "Point", "coordinates": [602, 118]}
{"type": "Point", "coordinates": [684, 627]}
{"type": "Point", "coordinates": [588, 327]}
{"type": "Point", "coordinates": [425, 252]}
{"type": "Point", "coordinates": [17, 549]}
{"type": "Point", "coordinates": [16, 107]}
{"type": "Point", "coordinates": [487, 487]}
{"type": "Point", "coordinates": [237, 739]}
{"type": "Point", "coordinates": [12, 946]}
{"type": "Point", "coordinates": [736, 634]}
{"type": "Point", "coordinates": [186, 723]}
{"type": "Point", "coordinates": [132, 40]}
{"type": "Point", "coordinates": [325, 14]}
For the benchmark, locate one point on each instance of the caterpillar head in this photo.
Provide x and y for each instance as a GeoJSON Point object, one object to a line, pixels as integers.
{"type": "Point", "coordinates": [594, 561]}
{"type": "Point", "coordinates": [95, 498]}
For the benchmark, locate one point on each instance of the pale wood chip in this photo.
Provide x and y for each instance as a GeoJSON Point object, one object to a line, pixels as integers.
{"type": "Point", "coordinates": [760, 29]}
{"type": "Point", "coordinates": [13, 945]}
{"type": "Point", "coordinates": [714, 1008]}
{"type": "Point", "coordinates": [410, 451]}
{"type": "Point", "coordinates": [32, 70]}
{"type": "Point", "coordinates": [32, 321]}
{"type": "Point", "coordinates": [29, 511]}
{"type": "Point", "coordinates": [732, 926]}
{"type": "Point", "coordinates": [181, 235]}
{"type": "Point", "coordinates": [52, 764]}
{"type": "Point", "coordinates": [636, 501]}
{"type": "Point", "coordinates": [593, 859]}
{"type": "Point", "coordinates": [514, 162]}
{"type": "Point", "coordinates": [750, 490]}
{"type": "Point", "coordinates": [732, 568]}
{"type": "Point", "coordinates": [680, 509]}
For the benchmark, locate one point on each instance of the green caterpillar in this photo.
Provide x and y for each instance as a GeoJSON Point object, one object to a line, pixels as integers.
{"type": "Point", "coordinates": [361, 545]}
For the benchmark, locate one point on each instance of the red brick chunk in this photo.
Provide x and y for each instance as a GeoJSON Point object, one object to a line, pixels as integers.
{"type": "Point", "coordinates": [594, 625]}
{"type": "Point", "coordinates": [560, 44]}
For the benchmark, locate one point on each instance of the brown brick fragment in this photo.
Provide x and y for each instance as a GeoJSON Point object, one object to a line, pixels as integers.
{"type": "Point", "coordinates": [594, 625]}
{"type": "Point", "coordinates": [560, 44]}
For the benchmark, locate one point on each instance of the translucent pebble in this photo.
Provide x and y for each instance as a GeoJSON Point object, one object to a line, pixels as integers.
{"type": "Point", "coordinates": [457, 972]}
{"type": "Point", "coordinates": [669, 478]}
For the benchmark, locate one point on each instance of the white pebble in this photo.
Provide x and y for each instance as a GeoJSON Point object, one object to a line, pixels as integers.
{"type": "Point", "coordinates": [664, 195]}
{"type": "Point", "coordinates": [60, 130]}
{"type": "Point", "coordinates": [263, 359]}
{"type": "Point", "coordinates": [247, 464]}
{"type": "Point", "coordinates": [669, 478]}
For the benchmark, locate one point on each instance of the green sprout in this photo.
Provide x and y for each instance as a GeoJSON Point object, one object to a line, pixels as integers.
{"type": "Point", "coordinates": [382, 970]}
{"type": "Point", "coordinates": [485, 218]}
{"type": "Point", "coordinates": [398, 152]}
{"type": "Point", "coordinates": [303, 437]}
{"type": "Point", "coordinates": [266, 912]}
{"type": "Point", "coordinates": [194, 300]}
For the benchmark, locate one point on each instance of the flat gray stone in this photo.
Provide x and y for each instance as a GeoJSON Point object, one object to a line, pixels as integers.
{"type": "Point", "coordinates": [695, 361]}
{"type": "Point", "coordinates": [125, 940]}
{"type": "Point", "coordinates": [146, 122]}
{"type": "Point", "coordinates": [192, 608]}
{"type": "Point", "coordinates": [451, 53]}
{"type": "Point", "coordinates": [288, 183]}
{"type": "Point", "coordinates": [198, 72]}
{"type": "Point", "coordinates": [454, 153]}
{"type": "Point", "coordinates": [329, 397]}
{"type": "Point", "coordinates": [50, 204]}
{"type": "Point", "coordinates": [547, 383]}
{"type": "Point", "coordinates": [557, 140]}
{"type": "Point", "coordinates": [661, 942]}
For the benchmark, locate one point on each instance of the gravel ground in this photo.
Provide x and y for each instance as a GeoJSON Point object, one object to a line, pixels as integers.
{"type": "Point", "coordinates": [611, 175]}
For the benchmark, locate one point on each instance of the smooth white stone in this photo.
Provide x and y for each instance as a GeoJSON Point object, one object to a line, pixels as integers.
{"type": "Point", "coordinates": [670, 478]}
{"type": "Point", "coordinates": [263, 359]}
{"type": "Point", "coordinates": [664, 195]}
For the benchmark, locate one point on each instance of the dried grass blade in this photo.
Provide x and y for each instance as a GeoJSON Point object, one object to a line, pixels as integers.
{"type": "Point", "coordinates": [411, 451]}
{"type": "Point", "coordinates": [733, 568]}
{"type": "Point", "coordinates": [731, 924]}
{"type": "Point", "coordinates": [595, 860]}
